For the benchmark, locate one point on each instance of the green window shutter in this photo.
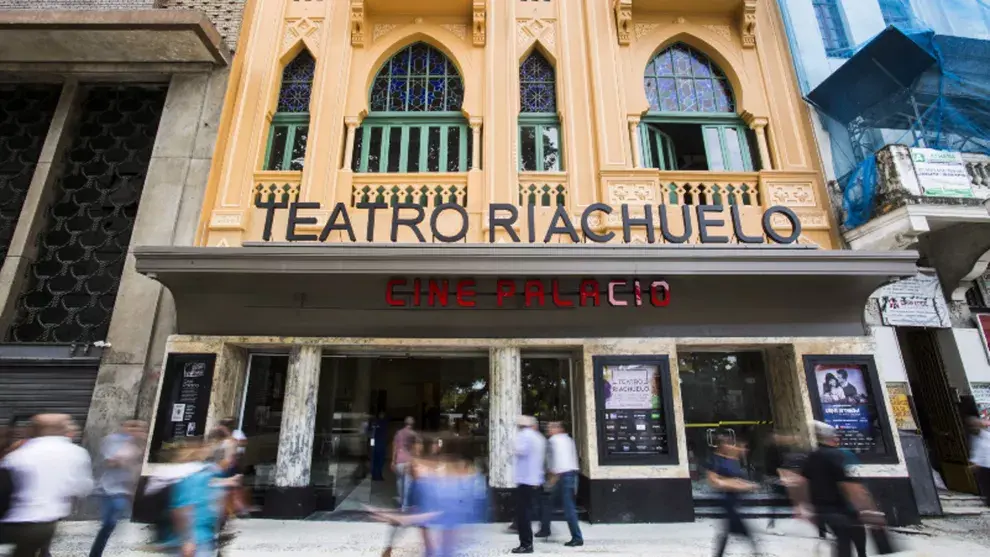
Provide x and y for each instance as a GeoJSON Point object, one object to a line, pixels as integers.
{"type": "Point", "coordinates": [287, 140]}
{"type": "Point", "coordinates": [396, 144]}
{"type": "Point", "coordinates": [657, 148]}
{"type": "Point", "coordinates": [727, 148]}
{"type": "Point", "coordinates": [540, 146]}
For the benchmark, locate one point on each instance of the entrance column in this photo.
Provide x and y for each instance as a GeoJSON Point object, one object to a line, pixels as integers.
{"type": "Point", "coordinates": [294, 495]}
{"type": "Point", "coordinates": [505, 406]}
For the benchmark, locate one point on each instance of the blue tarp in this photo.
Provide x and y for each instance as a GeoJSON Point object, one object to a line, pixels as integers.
{"type": "Point", "coordinates": [934, 88]}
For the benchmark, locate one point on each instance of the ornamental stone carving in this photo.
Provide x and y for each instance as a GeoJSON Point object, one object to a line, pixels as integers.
{"type": "Point", "coordinates": [479, 19]}
{"type": "Point", "coordinates": [747, 24]}
{"type": "Point", "coordinates": [357, 23]}
{"type": "Point", "coordinates": [632, 193]}
{"type": "Point", "coordinates": [623, 21]}
{"type": "Point", "coordinates": [792, 195]}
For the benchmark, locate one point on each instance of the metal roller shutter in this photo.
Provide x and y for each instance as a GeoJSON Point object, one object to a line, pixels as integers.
{"type": "Point", "coordinates": [27, 389]}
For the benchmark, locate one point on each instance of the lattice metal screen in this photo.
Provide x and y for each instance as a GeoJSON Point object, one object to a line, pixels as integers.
{"type": "Point", "coordinates": [73, 282]}
{"type": "Point", "coordinates": [25, 114]}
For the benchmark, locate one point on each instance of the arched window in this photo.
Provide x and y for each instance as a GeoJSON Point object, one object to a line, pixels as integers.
{"type": "Point", "coordinates": [692, 122]}
{"type": "Point", "coordinates": [539, 125]}
{"type": "Point", "coordinates": [415, 123]}
{"type": "Point", "coordinates": [290, 124]}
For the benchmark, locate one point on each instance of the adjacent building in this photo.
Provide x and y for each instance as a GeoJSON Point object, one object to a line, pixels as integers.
{"type": "Point", "coordinates": [108, 116]}
{"type": "Point", "coordinates": [901, 102]}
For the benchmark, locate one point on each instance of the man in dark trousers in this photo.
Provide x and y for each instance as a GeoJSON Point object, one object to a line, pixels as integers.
{"type": "Point", "coordinates": [842, 503]}
{"type": "Point", "coordinates": [531, 448]}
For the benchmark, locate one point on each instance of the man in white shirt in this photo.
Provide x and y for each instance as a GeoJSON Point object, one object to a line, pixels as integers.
{"type": "Point", "coordinates": [563, 481]}
{"type": "Point", "coordinates": [530, 459]}
{"type": "Point", "coordinates": [979, 455]}
{"type": "Point", "coordinates": [49, 471]}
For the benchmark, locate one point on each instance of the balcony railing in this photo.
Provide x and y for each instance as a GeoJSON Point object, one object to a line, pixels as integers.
{"type": "Point", "coordinates": [710, 188]}
{"type": "Point", "coordinates": [542, 189]}
{"type": "Point", "coordinates": [428, 190]}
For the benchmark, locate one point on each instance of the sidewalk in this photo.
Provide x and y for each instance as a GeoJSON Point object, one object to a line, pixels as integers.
{"type": "Point", "coordinates": [270, 538]}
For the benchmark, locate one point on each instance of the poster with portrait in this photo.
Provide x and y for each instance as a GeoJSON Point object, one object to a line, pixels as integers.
{"type": "Point", "coordinates": [634, 413]}
{"type": "Point", "coordinates": [845, 392]}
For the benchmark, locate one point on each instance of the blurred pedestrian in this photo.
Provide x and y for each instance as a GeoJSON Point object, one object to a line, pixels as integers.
{"type": "Point", "coordinates": [563, 483]}
{"type": "Point", "coordinates": [121, 454]}
{"type": "Point", "coordinates": [530, 448]}
{"type": "Point", "coordinates": [725, 474]}
{"type": "Point", "coordinates": [776, 452]}
{"type": "Point", "coordinates": [979, 455]}
{"type": "Point", "coordinates": [844, 505]}
{"type": "Point", "coordinates": [48, 471]}
{"type": "Point", "coordinates": [402, 446]}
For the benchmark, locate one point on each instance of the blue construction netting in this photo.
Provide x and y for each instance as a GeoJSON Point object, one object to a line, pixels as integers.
{"type": "Point", "coordinates": [907, 85]}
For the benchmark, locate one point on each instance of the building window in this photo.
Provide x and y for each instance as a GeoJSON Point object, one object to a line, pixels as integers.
{"type": "Point", "coordinates": [539, 125]}
{"type": "Point", "coordinates": [290, 124]}
{"type": "Point", "coordinates": [415, 123]}
{"type": "Point", "coordinates": [692, 124]}
{"type": "Point", "coordinates": [898, 12]}
{"type": "Point", "coordinates": [832, 26]}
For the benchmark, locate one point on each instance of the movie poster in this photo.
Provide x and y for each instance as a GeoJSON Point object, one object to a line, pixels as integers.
{"type": "Point", "coordinates": [847, 405]}
{"type": "Point", "coordinates": [633, 419]}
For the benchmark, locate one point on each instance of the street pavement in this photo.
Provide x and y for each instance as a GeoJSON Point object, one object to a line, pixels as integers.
{"type": "Point", "coordinates": [270, 538]}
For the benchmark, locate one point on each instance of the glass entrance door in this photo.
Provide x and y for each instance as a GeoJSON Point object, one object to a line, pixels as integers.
{"type": "Point", "coordinates": [724, 393]}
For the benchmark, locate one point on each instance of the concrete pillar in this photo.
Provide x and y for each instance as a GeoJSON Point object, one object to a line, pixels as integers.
{"type": "Point", "coordinates": [505, 406]}
{"type": "Point", "coordinates": [295, 439]}
{"type": "Point", "coordinates": [144, 314]}
{"type": "Point", "coordinates": [352, 124]}
{"type": "Point", "coordinates": [23, 245]}
{"type": "Point", "coordinates": [475, 143]}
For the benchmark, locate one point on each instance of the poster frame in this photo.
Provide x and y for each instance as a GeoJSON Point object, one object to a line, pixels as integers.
{"type": "Point", "coordinates": [876, 392]}
{"type": "Point", "coordinates": [173, 365]}
{"type": "Point", "coordinates": [667, 396]}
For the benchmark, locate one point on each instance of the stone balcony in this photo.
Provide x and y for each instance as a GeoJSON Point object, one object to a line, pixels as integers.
{"type": "Point", "coordinates": [939, 209]}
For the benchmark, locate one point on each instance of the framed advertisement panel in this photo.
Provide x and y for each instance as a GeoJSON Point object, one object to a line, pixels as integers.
{"type": "Point", "coordinates": [634, 410]}
{"type": "Point", "coordinates": [845, 393]}
{"type": "Point", "coordinates": [183, 401]}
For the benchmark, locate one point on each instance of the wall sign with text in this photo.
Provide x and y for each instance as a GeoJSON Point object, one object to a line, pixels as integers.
{"type": "Point", "coordinates": [634, 410]}
{"type": "Point", "coordinates": [708, 219]}
{"type": "Point", "coordinates": [846, 394]}
{"type": "Point", "coordinates": [529, 293]}
{"type": "Point", "coordinates": [184, 399]}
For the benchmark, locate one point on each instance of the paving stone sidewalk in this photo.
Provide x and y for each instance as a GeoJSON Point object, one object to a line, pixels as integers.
{"type": "Point", "coordinates": [269, 538]}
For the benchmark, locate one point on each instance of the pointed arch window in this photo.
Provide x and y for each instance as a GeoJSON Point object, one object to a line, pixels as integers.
{"type": "Point", "coordinates": [692, 122]}
{"type": "Point", "coordinates": [290, 123]}
{"type": "Point", "coordinates": [539, 123]}
{"type": "Point", "coordinates": [415, 123]}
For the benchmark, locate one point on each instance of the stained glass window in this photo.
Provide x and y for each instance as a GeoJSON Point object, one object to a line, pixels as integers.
{"type": "Point", "coordinates": [537, 85]}
{"type": "Point", "coordinates": [297, 84]}
{"type": "Point", "coordinates": [419, 78]}
{"type": "Point", "coordinates": [683, 79]}
{"type": "Point", "coordinates": [290, 124]}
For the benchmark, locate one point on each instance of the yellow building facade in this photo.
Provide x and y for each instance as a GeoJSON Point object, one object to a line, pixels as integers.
{"type": "Point", "coordinates": [599, 53]}
{"type": "Point", "coordinates": [608, 213]}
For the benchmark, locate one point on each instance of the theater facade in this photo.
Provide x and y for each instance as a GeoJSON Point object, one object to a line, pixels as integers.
{"type": "Point", "coordinates": [609, 213]}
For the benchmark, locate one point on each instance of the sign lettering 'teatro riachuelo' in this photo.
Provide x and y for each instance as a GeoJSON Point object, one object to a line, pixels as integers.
{"type": "Point", "coordinates": [504, 216]}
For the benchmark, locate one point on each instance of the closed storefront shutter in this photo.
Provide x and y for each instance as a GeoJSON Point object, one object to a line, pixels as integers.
{"type": "Point", "coordinates": [27, 389]}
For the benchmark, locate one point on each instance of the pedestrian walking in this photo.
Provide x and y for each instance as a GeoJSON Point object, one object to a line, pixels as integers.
{"type": "Point", "coordinates": [402, 445]}
{"type": "Point", "coordinates": [121, 454]}
{"type": "Point", "coordinates": [563, 484]}
{"type": "Point", "coordinates": [48, 472]}
{"type": "Point", "coordinates": [843, 504]}
{"type": "Point", "coordinates": [979, 455]}
{"type": "Point", "coordinates": [726, 476]}
{"type": "Point", "coordinates": [530, 457]}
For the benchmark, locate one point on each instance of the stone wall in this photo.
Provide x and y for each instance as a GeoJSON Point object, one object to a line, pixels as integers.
{"type": "Point", "coordinates": [225, 14]}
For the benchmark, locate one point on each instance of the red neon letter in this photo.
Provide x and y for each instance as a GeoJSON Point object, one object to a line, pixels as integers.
{"type": "Point", "coordinates": [589, 290]}
{"type": "Point", "coordinates": [504, 288]}
{"type": "Point", "coordinates": [534, 289]}
{"type": "Point", "coordinates": [466, 293]}
{"type": "Point", "coordinates": [557, 300]}
{"type": "Point", "coordinates": [438, 290]}
{"type": "Point", "coordinates": [416, 292]}
{"type": "Point", "coordinates": [390, 298]}
{"type": "Point", "coordinates": [656, 288]}
{"type": "Point", "coordinates": [611, 293]}
{"type": "Point", "coordinates": [639, 292]}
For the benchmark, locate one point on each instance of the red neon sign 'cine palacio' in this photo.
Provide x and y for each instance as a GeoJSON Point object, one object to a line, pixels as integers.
{"type": "Point", "coordinates": [534, 293]}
